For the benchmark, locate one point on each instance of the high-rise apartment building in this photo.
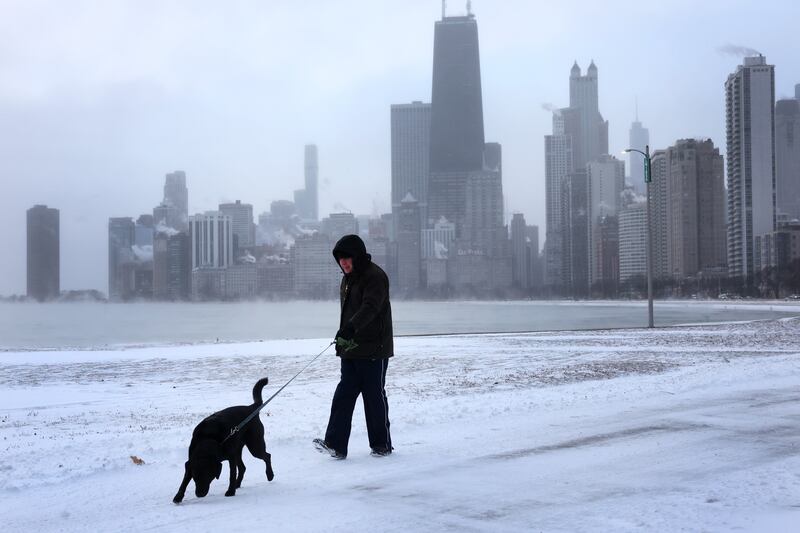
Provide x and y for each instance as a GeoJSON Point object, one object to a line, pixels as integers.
{"type": "Point", "coordinates": [605, 181]}
{"type": "Point", "coordinates": [607, 255]}
{"type": "Point", "coordinates": [316, 274]}
{"type": "Point", "coordinates": [520, 252]}
{"type": "Point", "coordinates": [787, 156]}
{"type": "Point", "coordinates": [337, 225]}
{"type": "Point", "coordinates": [211, 235]}
{"type": "Point", "coordinates": [244, 229]}
{"type": "Point", "coordinates": [121, 238]}
{"type": "Point", "coordinates": [632, 241]}
{"type": "Point", "coordinates": [411, 144]}
{"type": "Point", "coordinates": [750, 127]}
{"type": "Point", "coordinates": [172, 265]}
{"type": "Point", "coordinates": [575, 258]}
{"type": "Point", "coordinates": [659, 205]}
{"type": "Point", "coordinates": [558, 165]}
{"type": "Point", "coordinates": [211, 245]}
{"type": "Point", "coordinates": [695, 208]}
{"type": "Point", "coordinates": [43, 253]}
{"type": "Point", "coordinates": [408, 233]}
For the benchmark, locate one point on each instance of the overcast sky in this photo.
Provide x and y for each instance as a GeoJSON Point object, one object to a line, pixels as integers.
{"type": "Point", "coordinates": [99, 100]}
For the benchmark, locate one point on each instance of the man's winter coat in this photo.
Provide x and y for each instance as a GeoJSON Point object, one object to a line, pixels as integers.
{"type": "Point", "coordinates": [364, 297]}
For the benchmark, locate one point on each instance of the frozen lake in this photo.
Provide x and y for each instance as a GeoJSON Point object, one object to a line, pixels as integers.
{"type": "Point", "coordinates": [91, 325]}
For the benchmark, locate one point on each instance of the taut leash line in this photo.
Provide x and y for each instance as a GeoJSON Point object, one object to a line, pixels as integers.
{"type": "Point", "coordinates": [235, 429]}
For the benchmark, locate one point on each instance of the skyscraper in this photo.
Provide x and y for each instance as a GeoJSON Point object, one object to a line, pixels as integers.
{"type": "Point", "coordinates": [121, 238]}
{"type": "Point", "coordinates": [558, 165]}
{"type": "Point", "coordinates": [520, 252]}
{"type": "Point", "coordinates": [592, 140]}
{"type": "Point", "coordinates": [44, 253]}
{"type": "Point", "coordinates": [337, 225]}
{"type": "Point", "coordinates": [172, 265]}
{"type": "Point", "coordinates": [307, 200]}
{"type": "Point", "coordinates": [483, 223]}
{"type": "Point", "coordinates": [659, 205]}
{"type": "Point", "coordinates": [750, 127]}
{"type": "Point", "coordinates": [695, 208]}
{"type": "Point", "coordinates": [457, 140]}
{"type": "Point", "coordinates": [535, 265]}
{"type": "Point", "coordinates": [242, 224]}
{"type": "Point", "coordinates": [212, 240]}
{"type": "Point", "coordinates": [580, 136]}
{"type": "Point", "coordinates": [787, 156]}
{"type": "Point", "coordinates": [311, 175]}
{"type": "Point", "coordinates": [638, 139]}
{"type": "Point", "coordinates": [411, 144]}
{"type": "Point", "coordinates": [316, 275]}
{"type": "Point", "coordinates": [605, 181]}
{"type": "Point", "coordinates": [575, 259]}
{"type": "Point", "coordinates": [177, 195]}
{"type": "Point", "coordinates": [632, 241]}
{"type": "Point", "coordinates": [409, 250]}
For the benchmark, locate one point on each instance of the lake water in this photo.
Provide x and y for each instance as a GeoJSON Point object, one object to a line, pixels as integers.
{"type": "Point", "coordinates": [91, 325]}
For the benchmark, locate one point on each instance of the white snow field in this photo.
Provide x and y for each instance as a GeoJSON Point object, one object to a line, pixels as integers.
{"type": "Point", "coordinates": [684, 428]}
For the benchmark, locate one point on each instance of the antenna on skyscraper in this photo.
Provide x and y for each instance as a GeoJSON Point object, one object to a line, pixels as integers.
{"type": "Point", "coordinates": [444, 8]}
{"type": "Point", "coordinates": [637, 108]}
{"type": "Point", "coordinates": [469, 8]}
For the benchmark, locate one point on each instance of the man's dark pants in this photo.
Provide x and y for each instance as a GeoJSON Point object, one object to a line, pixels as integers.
{"type": "Point", "coordinates": [368, 378]}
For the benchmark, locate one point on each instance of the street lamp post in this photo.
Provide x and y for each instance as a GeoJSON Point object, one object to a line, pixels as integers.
{"type": "Point", "coordinates": [649, 255]}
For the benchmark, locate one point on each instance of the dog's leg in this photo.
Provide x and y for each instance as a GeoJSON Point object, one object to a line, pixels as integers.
{"type": "Point", "coordinates": [187, 476]}
{"type": "Point", "coordinates": [259, 450]}
{"type": "Point", "coordinates": [268, 459]}
{"type": "Point", "coordinates": [233, 462]}
{"type": "Point", "coordinates": [242, 468]}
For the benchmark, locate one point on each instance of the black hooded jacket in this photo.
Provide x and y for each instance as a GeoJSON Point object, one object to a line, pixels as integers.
{"type": "Point", "coordinates": [364, 297]}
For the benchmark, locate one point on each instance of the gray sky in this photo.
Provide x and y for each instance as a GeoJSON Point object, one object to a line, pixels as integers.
{"type": "Point", "coordinates": [99, 100]}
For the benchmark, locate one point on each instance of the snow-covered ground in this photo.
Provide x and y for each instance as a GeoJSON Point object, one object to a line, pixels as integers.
{"type": "Point", "coordinates": [655, 430]}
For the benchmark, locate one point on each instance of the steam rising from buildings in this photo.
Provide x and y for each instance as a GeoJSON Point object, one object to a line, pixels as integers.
{"type": "Point", "coordinates": [551, 108]}
{"type": "Point", "coordinates": [738, 51]}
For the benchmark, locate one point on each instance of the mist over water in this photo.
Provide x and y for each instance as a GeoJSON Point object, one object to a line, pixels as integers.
{"type": "Point", "coordinates": [87, 325]}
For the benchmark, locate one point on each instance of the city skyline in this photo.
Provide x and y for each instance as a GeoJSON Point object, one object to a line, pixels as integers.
{"type": "Point", "coordinates": [81, 140]}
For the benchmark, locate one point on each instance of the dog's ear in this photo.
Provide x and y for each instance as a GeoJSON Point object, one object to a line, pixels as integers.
{"type": "Point", "coordinates": [219, 470]}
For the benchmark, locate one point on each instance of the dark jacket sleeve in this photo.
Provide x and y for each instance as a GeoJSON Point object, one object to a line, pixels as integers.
{"type": "Point", "coordinates": [374, 295]}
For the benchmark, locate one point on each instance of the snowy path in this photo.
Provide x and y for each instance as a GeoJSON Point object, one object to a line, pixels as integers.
{"type": "Point", "coordinates": [682, 428]}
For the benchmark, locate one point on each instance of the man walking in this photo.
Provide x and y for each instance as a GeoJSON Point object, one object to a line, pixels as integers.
{"type": "Point", "coordinates": [364, 343]}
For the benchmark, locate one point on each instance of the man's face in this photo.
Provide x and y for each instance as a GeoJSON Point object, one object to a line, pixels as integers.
{"type": "Point", "coordinates": [346, 263]}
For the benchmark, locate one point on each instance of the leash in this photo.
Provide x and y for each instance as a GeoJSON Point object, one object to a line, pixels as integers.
{"type": "Point", "coordinates": [348, 345]}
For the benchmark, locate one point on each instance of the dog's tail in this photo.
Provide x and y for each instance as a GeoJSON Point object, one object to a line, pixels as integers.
{"type": "Point", "coordinates": [260, 384]}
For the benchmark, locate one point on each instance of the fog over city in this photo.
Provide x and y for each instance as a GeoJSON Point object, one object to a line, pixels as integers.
{"type": "Point", "coordinates": [100, 100]}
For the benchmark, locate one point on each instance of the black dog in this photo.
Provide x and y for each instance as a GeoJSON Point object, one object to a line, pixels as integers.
{"type": "Point", "coordinates": [207, 451]}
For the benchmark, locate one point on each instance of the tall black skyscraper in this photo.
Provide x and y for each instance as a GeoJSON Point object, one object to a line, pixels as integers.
{"type": "Point", "coordinates": [43, 253]}
{"type": "Point", "coordinates": [457, 140]}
